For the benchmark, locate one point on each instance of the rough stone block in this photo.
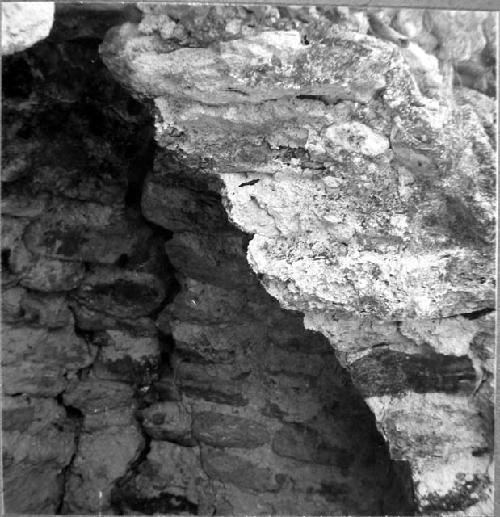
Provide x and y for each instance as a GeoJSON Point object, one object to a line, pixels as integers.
{"type": "Point", "coordinates": [199, 255]}
{"type": "Point", "coordinates": [49, 311]}
{"type": "Point", "coordinates": [25, 23]}
{"type": "Point", "coordinates": [171, 479]}
{"type": "Point", "coordinates": [94, 395]}
{"type": "Point", "coordinates": [235, 470]}
{"type": "Point", "coordinates": [37, 446]}
{"type": "Point", "coordinates": [127, 356]}
{"type": "Point", "coordinates": [444, 439]}
{"type": "Point", "coordinates": [221, 430]}
{"type": "Point", "coordinates": [103, 457]}
{"type": "Point", "coordinates": [170, 421]}
{"type": "Point", "coordinates": [36, 360]}
{"type": "Point", "coordinates": [121, 294]}
{"type": "Point", "coordinates": [303, 443]}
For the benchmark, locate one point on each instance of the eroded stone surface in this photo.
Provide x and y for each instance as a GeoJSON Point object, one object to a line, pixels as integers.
{"type": "Point", "coordinates": [109, 443]}
{"type": "Point", "coordinates": [435, 426]}
{"type": "Point", "coordinates": [318, 228]}
{"type": "Point", "coordinates": [368, 194]}
{"type": "Point", "coordinates": [127, 356]}
{"type": "Point", "coordinates": [25, 23]}
{"type": "Point", "coordinates": [221, 430]}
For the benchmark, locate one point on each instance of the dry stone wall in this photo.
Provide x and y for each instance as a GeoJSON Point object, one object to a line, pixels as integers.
{"type": "Point", "coordinates": [367, 189]}
{"type": "Point", "coordinates": [255, 404]}
{"type": "Point", "coordinates": [25, 23]}
{"type": "Point", "coordinates": [220, 402]}
{"type": "Point", "coordinates": [81, 275]}
{"type": "Point", "coordinates": [256, 277]}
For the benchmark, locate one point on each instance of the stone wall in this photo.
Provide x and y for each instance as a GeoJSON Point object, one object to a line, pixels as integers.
{"type": "Point", "coordinates": [368, 189]}
{"type": "Point", "coordinates": [257, 406]}
{"type": "Point", "coordinates": [221, 401]}
{"type": "Point", "coordinates": [156, 272]}
{"type": "Point", "coordinates": [83, 276]}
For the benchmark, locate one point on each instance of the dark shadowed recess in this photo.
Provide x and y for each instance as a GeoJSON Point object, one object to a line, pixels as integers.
{"type": "Point", "coordinates": [357, 447]}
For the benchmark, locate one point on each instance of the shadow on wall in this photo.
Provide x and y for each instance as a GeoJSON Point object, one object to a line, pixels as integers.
{"type": "Point", "coordinates": [276, 421]}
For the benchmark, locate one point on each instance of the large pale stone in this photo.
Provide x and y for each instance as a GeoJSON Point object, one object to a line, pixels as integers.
{"type": "Point", "coordinates": [434, 426]}
{"type": "Point", "coordinates": [425, 68]}
{"type": "Point", "coordinates": [342, 239]}
{"type": "Point", "coordinates": [25, 23]}
{"type": "Point", "coordinates": [357, 138]}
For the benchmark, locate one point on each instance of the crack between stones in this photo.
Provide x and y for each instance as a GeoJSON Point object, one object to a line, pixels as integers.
{"type": "Point", "coordinates": [76, 417]}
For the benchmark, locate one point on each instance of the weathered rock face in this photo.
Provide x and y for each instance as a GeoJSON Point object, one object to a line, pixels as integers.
{"type": "Point", "coordinates": [326, 346]}
{"type": "Point", "coordinates": [336, 188]}
{"type": "Point", "coordinates": [368, 194]}
{"type": "Point", "coordinates": [25, 23]}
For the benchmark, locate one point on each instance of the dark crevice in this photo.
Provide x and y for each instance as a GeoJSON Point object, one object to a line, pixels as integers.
{"type": "Point", "coordinates": [139, 167]}
{"type": "Point", "coordinates": [247, 183]}
{"type": "Point", "coordinates": [165, 388]}
{"type": "Point", "coordinates": [162, 232]}
{"type": "Point", "coordinates": [5, 259]}
{"type": "Point", "coordinates": [20, 83]}
{"type": "Point", "coordinates": [477, 314]}
{"type": "Point", "coordinates": [322, 98]}
{"type": "Point", "coordinates": [172, 291]}
{"type": "Point", "coordinates": [167, 346]}
{"type": "Point", "coordinates": [122, 261]}
{"type": "Point", "coordinates": [120, 490]}
{"type": "Point", "coordinates": [75, 424]}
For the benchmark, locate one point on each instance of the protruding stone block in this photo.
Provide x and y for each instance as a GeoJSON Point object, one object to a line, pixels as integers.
{"type": "Point", "coordinates": [25, 23]}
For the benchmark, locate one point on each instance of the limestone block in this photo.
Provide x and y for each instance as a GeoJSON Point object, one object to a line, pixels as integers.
{"type": "Point", "coordinates": [25, 23]}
